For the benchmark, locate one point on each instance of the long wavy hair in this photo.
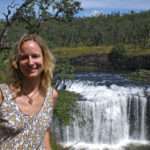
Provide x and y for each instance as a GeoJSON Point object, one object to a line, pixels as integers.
{"type": "Point", "coordinates": [48, 60]}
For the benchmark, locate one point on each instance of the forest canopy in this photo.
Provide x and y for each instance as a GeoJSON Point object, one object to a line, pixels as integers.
{"type": "Point", "coordinates": [65, 30]}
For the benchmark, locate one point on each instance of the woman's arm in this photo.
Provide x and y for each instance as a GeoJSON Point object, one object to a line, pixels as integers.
{"type": "Point", "coordinates": [47, 143]}
{"type": "Point", "coordinates": [47, 136]}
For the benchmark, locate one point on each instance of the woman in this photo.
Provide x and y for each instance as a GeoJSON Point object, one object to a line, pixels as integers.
{"type": "Point", "coordinates": [26, 104]}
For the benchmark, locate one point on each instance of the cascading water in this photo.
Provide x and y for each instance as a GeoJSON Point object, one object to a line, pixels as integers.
{"type": "Point", "coordinates": [112, 112]}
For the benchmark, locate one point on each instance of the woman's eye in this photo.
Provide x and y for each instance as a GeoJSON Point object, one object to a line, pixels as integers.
{"type": "Point", "coordinates": [35, 56]}
{"type": "Point", "coordinates": [23, 57]}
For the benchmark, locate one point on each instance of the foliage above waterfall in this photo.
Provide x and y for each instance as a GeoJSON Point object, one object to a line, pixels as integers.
{"type": "Point", "coordinates": [66, 106]}
{"type": "Point", "coordinates": [119, 51]}
{"type": "Point", "coordinates": [140, 76]}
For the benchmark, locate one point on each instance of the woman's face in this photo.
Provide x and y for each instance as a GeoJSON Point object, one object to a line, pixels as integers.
{"type": "Point", "coordinates": [30, 59]}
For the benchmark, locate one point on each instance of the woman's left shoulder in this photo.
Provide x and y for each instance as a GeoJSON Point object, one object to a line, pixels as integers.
{"type": "Point", "coordinates": [54, 96]}
{"type": "Point", "coordinates": [54, 93]}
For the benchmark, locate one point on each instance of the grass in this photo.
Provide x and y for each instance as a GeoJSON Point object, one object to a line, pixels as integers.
{"type": "Point", "coordinates": [66, 52]}
{"type": "Point", "coordinates": [138, 51]}
{"type": "Point", "coordinates": [71, 52]}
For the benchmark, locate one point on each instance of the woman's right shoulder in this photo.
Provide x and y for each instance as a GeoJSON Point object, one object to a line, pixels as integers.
{"type": "Point", "coordinates": [1, 96]}
{"type": "Point", "coordinates": [2, 87]}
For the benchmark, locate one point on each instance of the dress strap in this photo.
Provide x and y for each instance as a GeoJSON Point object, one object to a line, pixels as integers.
{"type": "Point", "coordinates": [49, 93]}
{"type": "Point", "coordinates": [48, 97]}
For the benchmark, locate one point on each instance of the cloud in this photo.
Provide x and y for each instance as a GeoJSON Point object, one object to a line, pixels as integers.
{"type": "Point", "coordinates": [95, 13]}
{"type": "Point", "coordinates": [119, 4]}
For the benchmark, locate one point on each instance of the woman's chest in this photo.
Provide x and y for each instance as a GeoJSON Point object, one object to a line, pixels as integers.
{"type": "Point", "coordinates": [19, 115]}
{"type": "Point", "coordinates": [30, 109]}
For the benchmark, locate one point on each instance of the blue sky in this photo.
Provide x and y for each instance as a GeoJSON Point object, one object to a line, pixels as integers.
{"type": "Point", "coordinates": [93, 7]}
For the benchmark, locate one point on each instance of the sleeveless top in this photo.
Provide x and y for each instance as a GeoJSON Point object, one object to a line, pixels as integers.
{"type": "Point", "coordinates": [19, 131]}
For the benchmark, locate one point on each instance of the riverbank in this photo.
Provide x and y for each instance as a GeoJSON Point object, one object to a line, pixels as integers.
{"type": "Point", "coordinates": [93, 59]}
{"type": "Point", "coordinates": [135, 64]}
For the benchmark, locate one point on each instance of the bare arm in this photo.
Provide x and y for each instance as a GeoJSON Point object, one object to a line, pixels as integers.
{"type": "Point", "coordinates": [47, 136]}
{"type": "Point", "coordinates": [47, 143]}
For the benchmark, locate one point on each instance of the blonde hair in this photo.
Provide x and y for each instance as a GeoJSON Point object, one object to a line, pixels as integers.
{"type": "Point", "coordinates": [48, 60]}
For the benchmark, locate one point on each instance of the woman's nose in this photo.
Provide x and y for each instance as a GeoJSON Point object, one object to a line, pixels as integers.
{"type": "Point", "coordinates": [30, 60]}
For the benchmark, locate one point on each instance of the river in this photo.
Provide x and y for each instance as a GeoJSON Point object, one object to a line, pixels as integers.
{"type": "Point", "coordinates": [114, 114]}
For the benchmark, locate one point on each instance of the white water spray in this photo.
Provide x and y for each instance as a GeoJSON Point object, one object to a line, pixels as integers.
{"type": "Point", "coordinates": [110, 115]}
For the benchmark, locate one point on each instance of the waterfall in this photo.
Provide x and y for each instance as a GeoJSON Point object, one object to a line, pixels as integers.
{"type": "Point", "coordinates": [109, 114]}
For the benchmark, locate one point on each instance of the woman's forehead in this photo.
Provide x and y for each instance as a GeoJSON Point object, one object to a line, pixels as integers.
{"type": "Point", "coordinates": [30, 43]}
{"type": "Point", "coordinates": [30, 46]}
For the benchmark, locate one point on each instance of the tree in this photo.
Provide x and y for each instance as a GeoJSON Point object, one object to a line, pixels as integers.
{"type": "Point", "coordinates": [34, 12]}
{"type": "Point", "coordinates": [66, 8]}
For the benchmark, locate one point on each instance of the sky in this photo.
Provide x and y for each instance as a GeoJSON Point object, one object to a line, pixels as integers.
{"type": "Point", "coordinates": [95, 7]}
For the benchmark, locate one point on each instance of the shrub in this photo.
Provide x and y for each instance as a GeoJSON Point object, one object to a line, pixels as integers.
{"type": "Point", "coordinates": [65, 107]}
{"type": "Point", "coordinates": [119, 51]}
{"type": "Point", "coordinates": [118, 56]}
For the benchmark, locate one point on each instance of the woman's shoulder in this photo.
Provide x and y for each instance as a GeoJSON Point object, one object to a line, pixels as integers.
{"type": "Point", "coordinates": [3, 86]}
{"type": "Point", "coordinates": [54, 93]}
{"type": "Point", "coordinates": [1, 97]}
{"type": "Point", "coordinates": [54, 96]}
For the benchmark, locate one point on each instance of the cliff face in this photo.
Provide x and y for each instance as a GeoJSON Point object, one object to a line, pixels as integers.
{"type": "Point", "coordinates": [103, 62]}
{"type": "Point", "coordinates": [138, 62]}
{"type": "Point", "coordinates": [100, 62]}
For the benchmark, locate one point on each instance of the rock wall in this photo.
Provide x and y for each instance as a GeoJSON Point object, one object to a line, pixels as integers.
{"type": "Point", "coordinates": [103, 62]}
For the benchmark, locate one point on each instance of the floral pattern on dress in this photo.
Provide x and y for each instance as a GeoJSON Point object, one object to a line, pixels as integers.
{"type": "Point", "coordinates": [19, 131]}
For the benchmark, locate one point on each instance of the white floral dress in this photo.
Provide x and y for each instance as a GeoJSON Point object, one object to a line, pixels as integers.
{"type": "Point", "coordinates": [19, 131]}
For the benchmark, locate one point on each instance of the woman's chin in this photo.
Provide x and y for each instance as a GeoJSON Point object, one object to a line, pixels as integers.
{"type": "Point", "coordinates": [32, 76]}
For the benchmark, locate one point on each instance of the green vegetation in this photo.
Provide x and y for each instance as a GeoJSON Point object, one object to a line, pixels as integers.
{"type": "Point", "coordinates": [4, 64]}
{"type": "Point", "coordinates": [66, 106]}
{"type": "Point", "coordinates": [72, 52]}
{"type": "Point", "coordinates": [55, 145]}
{"type": "Point", "coordinates": [118, 55]}
{"type": "Point", "coordinates": [119, 52]}
{"type": "Point", "coordinates": [64, 71]}
{"type": "Point", "coordinates": [130, 29]}
{"type": "Point", "coordinates": [137, 147]}
{"type": "Point", "coordinates": [141, 76]}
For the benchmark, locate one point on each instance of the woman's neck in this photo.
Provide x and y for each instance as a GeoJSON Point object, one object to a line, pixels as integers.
{"type": "Point", "coordinates": [30, 86]}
